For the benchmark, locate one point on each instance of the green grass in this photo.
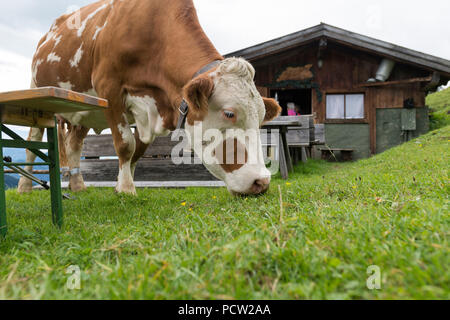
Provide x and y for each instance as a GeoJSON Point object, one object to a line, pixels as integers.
{"type": "Point", "coordinates": [338, 219]}
{"type": "Point", "coordinates": [439, 104]}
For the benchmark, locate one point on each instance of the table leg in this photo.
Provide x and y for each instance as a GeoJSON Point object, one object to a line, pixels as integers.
{"type": "Point", "coordinates": [304, 155]}
{"type": "Point", "coordinates": [283, 133]}
{"type": "Point", "coordinates": [55, 177]}
{"type": "Point", "coordinates": [3, 223]}
{"type": "Point", "coordinates": [282, 159]}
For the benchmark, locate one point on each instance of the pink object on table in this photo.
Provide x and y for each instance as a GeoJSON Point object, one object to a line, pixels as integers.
{"type": "Point", "coordinates": [292, 112]}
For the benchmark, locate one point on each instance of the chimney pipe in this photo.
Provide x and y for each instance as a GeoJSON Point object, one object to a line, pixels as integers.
{"type": "Point", "coordinates": [384, 71]}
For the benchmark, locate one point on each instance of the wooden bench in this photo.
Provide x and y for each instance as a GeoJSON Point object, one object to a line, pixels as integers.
{"type": "Point", "coordinates": [329, 154]}
{"type": "Point", "coordinates": [100, 164]}
{"type": "Point", "coordinates": [37, 108]}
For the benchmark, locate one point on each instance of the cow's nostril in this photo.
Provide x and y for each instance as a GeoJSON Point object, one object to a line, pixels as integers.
{"type": "Point", "coordinates": [260, 186]}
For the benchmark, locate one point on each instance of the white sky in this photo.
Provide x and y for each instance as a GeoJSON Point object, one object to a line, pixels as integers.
{"type": "Point", "coordinates": [237, 24]}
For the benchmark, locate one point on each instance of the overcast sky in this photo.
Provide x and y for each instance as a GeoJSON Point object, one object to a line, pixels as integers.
{"type": "Point", "coordinates": [236, 24]}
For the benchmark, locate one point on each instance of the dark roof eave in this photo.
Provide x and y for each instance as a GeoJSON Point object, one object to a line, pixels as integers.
{"type": "Point", "coordinates": [346, 37]}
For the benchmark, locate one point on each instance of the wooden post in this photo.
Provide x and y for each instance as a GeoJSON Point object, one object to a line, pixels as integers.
{"type": "Point", "coordinates": [55, 176]}
{"type": "Point", "coordinates": [287, 154]}
{"type": "Point", "coordinates": [304, 155]}
{"type": "Point", "coordinates": [3, 223]}
{"type": "Point", "coordinates": [282, 158]}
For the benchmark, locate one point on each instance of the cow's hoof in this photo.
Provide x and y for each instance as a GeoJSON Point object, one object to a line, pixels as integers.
{"type": "Point", "coordinates": [76, 183]}
{"type": "Point", "coordinates": [25, 185]}
{"type": "Point", "coordinates": [126, 189]}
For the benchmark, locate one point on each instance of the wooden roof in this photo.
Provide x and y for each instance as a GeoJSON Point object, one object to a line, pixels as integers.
{"type": "Point", "coordinates": [325, 31]}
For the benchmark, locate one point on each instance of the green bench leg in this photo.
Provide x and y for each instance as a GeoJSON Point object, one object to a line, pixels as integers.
{"type": "Point", "coordinates": [3, 224]}
{"type": "Point", "coordinates": [55, 177]}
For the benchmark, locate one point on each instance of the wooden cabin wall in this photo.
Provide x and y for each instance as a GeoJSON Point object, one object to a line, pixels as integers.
{"type": "Point", "coordinates": [344, 70]}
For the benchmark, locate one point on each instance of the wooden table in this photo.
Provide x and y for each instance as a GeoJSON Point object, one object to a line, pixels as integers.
{"type": "Point", "coordinates": [37, 108]}
{"type": "Point", "coordinates": [282, 125]}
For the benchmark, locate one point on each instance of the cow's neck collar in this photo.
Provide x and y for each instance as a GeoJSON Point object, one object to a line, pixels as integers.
{"type": "Point", "coordinates": [184, 107]}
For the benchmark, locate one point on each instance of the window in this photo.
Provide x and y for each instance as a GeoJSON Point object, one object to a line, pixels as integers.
{"type": "Point", "coordinates": [345, 106]}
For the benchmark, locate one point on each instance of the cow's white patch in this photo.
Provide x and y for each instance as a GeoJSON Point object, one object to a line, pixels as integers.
{"type": "Point", "coordinates": [77, 57]}
{"type": "Point", "coordinates": [125, 179]}
{"type": "Point", "coordinates": [89, 17]}
{"type": "Point", "coordinates": [51, 35]}
{"type": "Point", "coordinates": [52, 57]}
{"type": "Point", "coordinates": [65, 85]}
{"type": "Point", "coordinates": [98, 30]}
{"type": "Point", "coordinates": [34, 70]}
{"type": "Point", "coordinates": [57, 41]}
{"type": "Point", "coordinates": [146, 117]}
{"type": "Point", "coordinates": [91, 92]}
{"type": "Point", "coordinates": [127, 134]}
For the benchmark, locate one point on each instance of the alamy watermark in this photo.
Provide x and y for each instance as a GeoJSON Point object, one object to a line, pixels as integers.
{"type": "Point", "coordinates": [74, 279]}
{"type": "Point", "coordinates": [374, 280]}
{"type": "Point", "coordinates": [229, 147]}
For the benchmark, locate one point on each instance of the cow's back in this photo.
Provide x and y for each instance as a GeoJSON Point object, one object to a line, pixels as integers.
{"type": "Point", "coordinates": [64, 57]}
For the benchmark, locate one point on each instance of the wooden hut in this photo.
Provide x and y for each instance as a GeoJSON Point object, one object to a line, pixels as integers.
{"type": "Point", "coordinates": [369, 94]}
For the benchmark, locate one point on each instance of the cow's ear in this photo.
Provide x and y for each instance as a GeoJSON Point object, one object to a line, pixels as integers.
{"type": "Point", "coordinates": [273, 109]}
{"type": "Point", "coordinates": [197, 94]}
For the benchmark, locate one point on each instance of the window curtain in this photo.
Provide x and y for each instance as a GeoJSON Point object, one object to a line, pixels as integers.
{"type": "Point", "coordinates": [335, 106]}
{"type": "Point", "coordinates": [354, 106]}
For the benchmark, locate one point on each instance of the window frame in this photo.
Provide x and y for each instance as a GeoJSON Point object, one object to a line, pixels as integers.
{"type": "Point", "coordinates": [344, 120]}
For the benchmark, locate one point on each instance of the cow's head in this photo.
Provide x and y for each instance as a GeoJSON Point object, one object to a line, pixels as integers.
{"type": "Point", "coordinates": [226, 101]}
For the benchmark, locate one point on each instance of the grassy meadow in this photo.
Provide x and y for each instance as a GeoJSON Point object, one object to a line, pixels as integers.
{"type": "Point", "coordinates": [317, 242]}
{"type": "Point", "coordinates": [439, 103]}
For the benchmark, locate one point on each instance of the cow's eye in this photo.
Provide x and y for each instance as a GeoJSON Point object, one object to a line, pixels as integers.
{"type": "Point", "coordinates": [229, 114]}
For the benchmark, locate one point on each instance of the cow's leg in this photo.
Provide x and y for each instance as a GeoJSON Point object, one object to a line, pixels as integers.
{"type": "Point", "coordinates": [74, 146]}
{"type": "Point", "coordinates": [125, 145]}
{"type": "Point", "coordinates": [141, 148]}
{"type": "Point", "coordinates": [25, 184]}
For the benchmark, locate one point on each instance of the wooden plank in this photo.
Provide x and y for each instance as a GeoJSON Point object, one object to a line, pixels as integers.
{"type": "Point", "coordinates": [102, 146]}
{"type": "Point", "coordinates": [146, 170]}
{"type": "Point", "coordinates": [51, 99]}
{"type": "Point", "coordinates": [297, 121]}
{"type": "Point", "coordinates": [152, 184]}
{"type": "Point", "coordinates": [319, 134]}
{"type": "Point", "coordinates": [298, 137]}
{"type": "Point", "coordinates": [26, 117]}
{"type": "Point", "coordinates": [390, 83]}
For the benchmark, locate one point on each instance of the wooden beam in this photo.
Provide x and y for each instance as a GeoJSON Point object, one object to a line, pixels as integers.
{"type": "Point", "coordinates": [434, 82]}
{"type": "Point", "coordinates": [391, 83]}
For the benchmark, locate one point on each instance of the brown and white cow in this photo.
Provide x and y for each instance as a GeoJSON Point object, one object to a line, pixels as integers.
{"type": "Point", "coordinates": [144, 58]}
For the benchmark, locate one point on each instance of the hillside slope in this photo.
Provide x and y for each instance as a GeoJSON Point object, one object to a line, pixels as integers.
{"type": "Point", "coordinates": [439, 104]}
{"type": "Point", "coordinates": [336, 221]}
{"type": "Point", "coordinates": [11, 182]}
